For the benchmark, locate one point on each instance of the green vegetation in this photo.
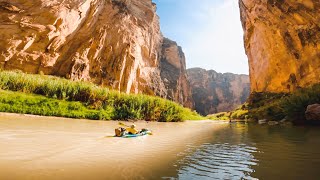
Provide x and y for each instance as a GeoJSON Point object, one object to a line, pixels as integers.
{"type": "Point", "coordinates": [240, 113]}
{"type": "Point", "coordinates": [277, 106]}
{"type": "Point", "coordinates": [267, 106]}
{"type": "Point", "coordinates": [220, 116]}
{"type": "Point", "coordinates": [23, 103]}
{"type": "Point", "coordinates": [53, 96]}
{"type": "Point", "coordinates": [294, 107]}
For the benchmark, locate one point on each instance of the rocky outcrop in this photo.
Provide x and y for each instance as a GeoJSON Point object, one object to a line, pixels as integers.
{"type": "Point", "coordinates": [114, 43]}
{"type": "Point", "coordinates": [216, 92]}
{"type": "Point", "coordinates": [313, 112]}
{"type": "Point", "coordinates": [282, 42]}
{"type": "Point", "coordinates": [174, 73]}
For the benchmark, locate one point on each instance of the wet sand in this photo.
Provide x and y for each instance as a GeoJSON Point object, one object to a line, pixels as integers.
{"type": "Point", "coordinates": [33, 147]}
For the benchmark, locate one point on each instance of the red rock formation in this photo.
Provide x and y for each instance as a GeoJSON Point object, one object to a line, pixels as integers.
{"type": "Point", "coordinates": [115, 43]}
{"type": "Point", "coordinates": [216, 92]}
{"type": "Point", "coordinates": [282, 41]}
{"type": "Point", "coordinates": [174, 73]}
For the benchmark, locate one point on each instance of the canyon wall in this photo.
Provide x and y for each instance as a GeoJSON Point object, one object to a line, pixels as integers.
{"type": "Point", "coordinates": [174, 73]}
{"type": "Point", "coordinates": [282, 42]}
{"type": "Point", "coordinates": [114, 43]}
{"type": "Point", "coordinates": [216, 92]}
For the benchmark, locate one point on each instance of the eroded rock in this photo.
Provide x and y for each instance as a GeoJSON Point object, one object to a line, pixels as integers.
{"type": "Point", "coordinates": [114, 43]}
{"type": "Point", "coordinates": [282, 42]}
{"type": "Point", "coordinates": [174, 73]}
{"type": "Point", "coordinates": [313, 112]}
{"type": "Point", "coordinates": [216, 92]}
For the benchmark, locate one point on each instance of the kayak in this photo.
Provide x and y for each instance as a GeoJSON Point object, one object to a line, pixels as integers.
{"type": "Point", "coordinates": [137, 135]}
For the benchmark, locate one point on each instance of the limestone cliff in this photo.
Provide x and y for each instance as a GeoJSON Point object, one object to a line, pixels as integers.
{"type": "Point", "coordinates": [216, 92]}
{"type": "Point", "coordinates": [282, 42]}
{"type": "Point", "coordinates": [114, 43]}
{"type": "Point", "coordinates": [174, 73]}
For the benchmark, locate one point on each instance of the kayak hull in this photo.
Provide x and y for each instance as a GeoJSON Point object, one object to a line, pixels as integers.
{"type": "Point", "coordinates": [136, 135]}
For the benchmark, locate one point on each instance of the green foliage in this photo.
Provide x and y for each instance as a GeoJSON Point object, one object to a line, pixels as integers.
{"type": "Point", "coordinates": [220, 116]}
{"type": "Point", "coordinates": [269, 109]}
{"type": "Point", "coordinates": [296, 105]}
{"type": "Point", "coordinates": [110, 104]}
{"type": "Point", "coordinates": [240, 113]}
{"type": "Point", "coordinates": [17, 102]}
{"type": "Point", "coordinates": [278, 106]}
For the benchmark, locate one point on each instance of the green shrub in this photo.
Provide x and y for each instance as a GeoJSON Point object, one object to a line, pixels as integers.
{"type": "Point", "coordinates": [278, 106]}
{"type": "Point", "coordinates": [120, 106]}
{"type": "Point", "coordinates": [16, 102]}
{"type": "Point", "coordinates": [220, 116]}
{"type": "Point", "coordinates": [296, 105]}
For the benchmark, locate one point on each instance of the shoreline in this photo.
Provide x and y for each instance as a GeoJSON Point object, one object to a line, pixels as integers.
{"type": "Point", "coordinates": [37, 147]}
{"type": "Point", "coordinates": [113, 120]}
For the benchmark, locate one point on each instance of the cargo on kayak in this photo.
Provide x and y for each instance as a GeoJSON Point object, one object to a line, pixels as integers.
{"type": "Point", "coordinates": [130, 131]}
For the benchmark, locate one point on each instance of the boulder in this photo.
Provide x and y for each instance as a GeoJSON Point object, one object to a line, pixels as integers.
{"type": "Point", "coordinates": [313, 112]}
{"type": "Point", "coordinates": [262, 121]}
{"type": "Point", "coordinates": [272, 123]}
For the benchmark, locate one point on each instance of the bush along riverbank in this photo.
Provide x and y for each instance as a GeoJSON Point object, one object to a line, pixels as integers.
{"type": "Point", "coordinates": [278, 107]}
{"type": "Point", "coordinates": [54, 96]}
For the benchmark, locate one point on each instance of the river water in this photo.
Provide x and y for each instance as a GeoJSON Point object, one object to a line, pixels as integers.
{"type": "Point", "coordinates": [56, 148]}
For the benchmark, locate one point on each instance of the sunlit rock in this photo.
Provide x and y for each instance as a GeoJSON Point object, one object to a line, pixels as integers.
{"type": "Point", "coordinates": [216, 92]}
{"type": "Point", "coordinates": [114, 43]}
{"type": "Point", "coordinates": [313, 112]}
{"type": "Point", "coordinates": [282, 42]}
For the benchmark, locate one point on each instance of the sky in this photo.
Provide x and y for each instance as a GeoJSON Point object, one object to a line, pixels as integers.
{"type": "Point", "coordinates": [209, 32]}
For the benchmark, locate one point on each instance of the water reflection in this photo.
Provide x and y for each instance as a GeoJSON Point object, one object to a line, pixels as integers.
{"type": "Point", "coordinates": [249, 151]}
{"type": "Point", "coordinates": [219, 161]}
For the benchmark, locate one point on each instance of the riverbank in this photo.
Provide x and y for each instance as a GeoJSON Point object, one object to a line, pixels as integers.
{"type": "Point", "coordinates": [278, 107]}
{"type": "Point", "coordinates": [35, 147]}
{"type": "Point", "coordinates": [53, 96]}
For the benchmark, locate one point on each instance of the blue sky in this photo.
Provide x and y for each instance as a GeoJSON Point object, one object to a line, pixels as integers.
{"type": "Point", "coordinates": [209, 32]}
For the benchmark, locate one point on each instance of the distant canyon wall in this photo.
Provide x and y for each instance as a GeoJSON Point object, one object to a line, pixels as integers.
{"type": "Point", "coordinates": [216, 92]}
{"type": "Point", "coordinates": [174, 73]}
{"type": "Point", "coordinates": [282, 42]}
{"type": "Point", "coordinates": [114, 43]}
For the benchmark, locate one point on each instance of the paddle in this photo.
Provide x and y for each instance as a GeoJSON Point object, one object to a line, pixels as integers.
{"type": "Point", "coordinates": [122, 124]}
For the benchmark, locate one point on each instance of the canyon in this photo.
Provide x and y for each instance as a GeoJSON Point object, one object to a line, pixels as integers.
{"type": "Point", "coordinates": [217, 92]}
{"type": "Point", "coordinates": [282, 42]}
{"type": "Point", "coordinates": [114, 43]}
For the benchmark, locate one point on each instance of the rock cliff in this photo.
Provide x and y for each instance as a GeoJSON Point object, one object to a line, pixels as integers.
{"type": "Point", "coordinates": [114, 43]}
{"type": "Point", "coordinates": [282, 42]}
{"type": "Point", "coordinates": [174, 73]}
{"type": "Point", "coordinates": [216, 92]}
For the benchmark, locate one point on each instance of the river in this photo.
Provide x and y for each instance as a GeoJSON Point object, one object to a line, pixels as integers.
{"type": "Point", "coordinates": [34, 147]}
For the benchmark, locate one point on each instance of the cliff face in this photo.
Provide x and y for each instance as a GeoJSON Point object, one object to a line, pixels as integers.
{"type": "Point", "coordinates": [282, 41]}
{"type": "Point", "coordinates": [115, 43]}
{"type": "Point", "coordinates": [215, 92]}
{"type": "Point", "coordinates": [174, 73]}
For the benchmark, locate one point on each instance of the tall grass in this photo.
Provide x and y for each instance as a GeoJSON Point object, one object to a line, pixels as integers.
{"type": "Point", "coordinates": [93, 97]}
{"type": "Point", "coordinates": [292, 106]}
{"type": "Point", "coordinates": [16, 102]}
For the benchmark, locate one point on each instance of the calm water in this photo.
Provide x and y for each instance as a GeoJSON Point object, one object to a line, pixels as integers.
{"type": "Point", "coordinates": [249, 151]}
{"type": "Point", "coordinates": [57, 148]}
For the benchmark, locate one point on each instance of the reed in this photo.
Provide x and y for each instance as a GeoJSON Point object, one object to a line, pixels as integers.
{"type": "Point", "coordinates": [94, 101]}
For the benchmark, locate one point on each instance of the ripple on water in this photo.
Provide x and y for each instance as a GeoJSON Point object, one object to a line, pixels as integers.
{"type": "Point", "coordinates": [219, 161]}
